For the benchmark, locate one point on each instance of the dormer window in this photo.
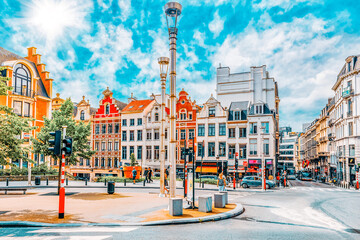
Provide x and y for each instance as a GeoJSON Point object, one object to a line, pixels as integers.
{"type": "Point", "coordinates": [183, 102]}
{"type": "Point", "coordinates": [190, 116]}
{"type": "Point", "coordinates": [22, 81]}
{"type": "Point", "coordinates": [141, 106]}
{"type": "Point", "coordinates": [131, 107]}
{"type": "Point", "coordinates": [212, 112]}
{"type": "Point", "coordinates": [237, 115]}
{"type": "Point", "coordinates": [156, 117]}
{"type": "Point", "coordinates": [349, 66]}
{"type": "Point", "coordinates": [82, 115]}
{"type": "Point", "coordinates": [259, 109]}
{"type": "Point", "coordinates": [107, 109]}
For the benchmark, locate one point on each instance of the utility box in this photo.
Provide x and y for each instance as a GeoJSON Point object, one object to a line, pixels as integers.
{"type": "Point", "coordinates": [37, 180]}
{"type": "Point", "coordinates": [205, 204]}
{"type": "Point", "coordinates": [176, 206]}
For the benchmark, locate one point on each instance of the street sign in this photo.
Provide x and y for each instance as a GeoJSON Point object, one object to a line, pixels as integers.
{"type": "Point", "coordinates": [245, 163]}
{"type": "Point", "coordinates": [190, 185]}
{"type": "Point", "coordinates": [236, 154]}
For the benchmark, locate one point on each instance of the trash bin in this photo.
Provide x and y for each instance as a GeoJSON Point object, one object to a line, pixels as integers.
{"type": "Point", "coordinates": [111, 187]}
{"type": "Point", "coordinates": [37, 180]}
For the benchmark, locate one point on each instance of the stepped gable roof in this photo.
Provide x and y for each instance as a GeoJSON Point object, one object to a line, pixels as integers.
{"type": "Point", "coordinates": [137, 106]}
{"type": "Point", "coordinates": [6, 55]}
{"type": "Point", "coordinates": [243, 105]}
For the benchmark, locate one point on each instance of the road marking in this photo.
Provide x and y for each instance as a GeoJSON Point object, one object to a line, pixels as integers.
{"type": "Point", "coordinates": [85, 229]}
{"type": "Point", "coordinates": [102, 237]}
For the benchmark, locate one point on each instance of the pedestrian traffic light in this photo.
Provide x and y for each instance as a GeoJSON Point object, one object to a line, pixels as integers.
{"type": "Point", "coordinates": [236, 164]}
{"type": "Point", "coordinates": [67, 146]}
{"type": "Point", "coordinates": [55, 144]}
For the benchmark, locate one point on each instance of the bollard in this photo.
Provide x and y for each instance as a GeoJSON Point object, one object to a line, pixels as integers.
{"type": "Point", "coordinates": [203, 184]}
{"type": "Point", "coordinates": [125, 182]}
{"type": "Point", "coordinates": [111, 187]}
{"type": "Point", "coordinates": [7, 181]}
{"type": "Point", "coordinates": [144, 183]}
{"type": "Point", "coordinates": [67, 181]}
{"type": "Point", "coordinates": [86, 182]}
{"type": "Point", "coordinates": [105, 181]}
{"type": "Point", "coordinates": [47, 181]}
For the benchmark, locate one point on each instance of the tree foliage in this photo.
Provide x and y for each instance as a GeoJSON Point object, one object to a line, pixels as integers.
{"type": "Point", "coordinates": [79, 132]}
{"type": "Point", "coordinates": [11, 128]}
{"type": "Point", "coordinates": [133, 160]}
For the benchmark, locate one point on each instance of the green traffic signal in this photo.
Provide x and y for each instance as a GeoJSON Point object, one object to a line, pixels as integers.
{"type": "Point", "coordinates": [67, 146]}
{"type": "Point", "coordinates": [55, 144]}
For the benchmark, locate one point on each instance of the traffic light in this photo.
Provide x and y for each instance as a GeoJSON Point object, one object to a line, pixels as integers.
{"type": "Point", "coordinates": [55, 144]}
{"type": "Point", "coordinates": [67, 146]}
{"type": "Point", "coordinates": [236, 164]}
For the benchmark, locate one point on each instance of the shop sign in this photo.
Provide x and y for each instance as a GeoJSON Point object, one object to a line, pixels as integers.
{"type": "Point", "coordinates": [254, 162]}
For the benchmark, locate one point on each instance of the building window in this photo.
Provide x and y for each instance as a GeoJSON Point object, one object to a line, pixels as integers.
{"type": "Point", "coordinates": [201, 130]}
{"type": "Point", "coordinates": [109, 163]}
{"type": "Point", "coordinates": [124, 153]}
{"type": "Point", "coordinates": [242, 153]}
{"type": "Point", "coordinates": [237, 115]}
{"type": "Point", "coordinates": [102, 162]}
{"type": "Point", "coordinates": [148, 135]}
{"type": "Point", "coordinates": [156, 117]}
{"type": "Point", "coordinates": [212, 112]}
{"type": "Point", "coordinates": [139, 121]}
{"type": "Point", "coordinates": [222, 149]}
{"type": "Point", "coordinates": [231, 151]}
{"type": "Point", "coordinates": [149, 119]}
{"type": "Point", "coordinates": [116, 162]}
{"type": "Point", "coordinates": [117, 128]}
{"type": "Point", "coordinates": [103, 128]}
{"type": "Point", "coordinates": [266, 147]}
{"type": "Point", "coordinates": [110, 128]}
{"type": "Point", "coordinates": [87, 162]}
{"type": "Point", "coordinates": [124, 136]}
{"type": "Point", "coordinates": [116, 146]}
{"type": "Point", "coordinates": [124, 122]}
{"type": "Point", "coordinates": [242, 132]}
{"type": "Point", "coordinates": [132, 122]}
{"type": "Point", "coordinates": [22, 81]}
{"type": "Point", "coordinates": [200, 149]}
{"type": "Point", "coordinates": [139, 152]}
{"type": "Point", "coordinates": [183, 134]}
{"type": "Point", "coordinates": [211, 129]}
{"type": "Point", "coordinates": [166, 152]}
{"type": "Point", "coordinates": [17, 106]}
{"type": "Point", "coordinates": [97, 129]}
{"type": "Point", "coordinates": [97, 146]}
{"type": "Point", "coordinates": [109, 146]}
{"type": "Point", "coordinates": [222, 129]}
{"type": "Point", "coordinates": [190, 116]}
{"type": "Point", "coordinates": [211, 149]}
{"type": "Point", "coordinates": [139, 135]}
{"type": "Point", "coordinates": [253, 147]}
{"type": "Point", "coordinates": [351, 129]}
{"type": "Point", "coordinates": [107, 109]}
{"type": "Point", "coordinates": [231, 132]}
{"type": "Point", "coordinates": [156, 152]}
{"type": "Point", "coordinates": [156, 134]}
{"type": "Point", "coordinates": [103, 146]}
{"type": "Point", "coordinates": [351, 150]}
{"type": "Point", "coordinates": [132, 137]}
{"type": "Point", "coordinates": [81, 162]}
{"type": "Point", "coordinates": [82, 115]}
{"type": "Point", "coordinates": [96, 162]}
{"type": "Point", "coordinates": [148, 152]}
{"type": "Point", "coordinates": [131, 150]}
{"type": "Point", "coordinates": [191, 133]}
{"type": "Point", "coordinates": [265, 127]}
{"type": "Point", "coordinates": [182, 116]}
{"type": "Point", "coordinates": [253, 128]}
{"type": "Point", "coordinates": [26, 109]}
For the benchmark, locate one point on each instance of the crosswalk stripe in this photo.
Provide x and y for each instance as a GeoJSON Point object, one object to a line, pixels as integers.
{"type": "Point", "coordinates": [85, 229]}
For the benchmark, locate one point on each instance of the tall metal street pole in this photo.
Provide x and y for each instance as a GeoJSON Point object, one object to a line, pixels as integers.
{"type": "Point", "coordinates": [172, 11]}
{"type": "Point", "coordinates": [163, 62]}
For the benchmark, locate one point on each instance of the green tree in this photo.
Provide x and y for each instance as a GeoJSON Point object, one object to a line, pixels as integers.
{"type": "Point", "coordinates": [79, 132]}
{"type": "Point", "coordinates": [133, 160]}
{"type": "Point", "coordinates": [11, 128]}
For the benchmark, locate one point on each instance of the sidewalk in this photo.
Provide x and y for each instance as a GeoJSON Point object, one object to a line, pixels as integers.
{"type": "Point", "coordinates": [40, 208]}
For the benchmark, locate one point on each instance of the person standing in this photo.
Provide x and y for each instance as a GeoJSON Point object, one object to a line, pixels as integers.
{"type": "Point", "coordinates": [134, 173]}
{"type": "Point", "coordinates": [150, 175]}
{"type": "Point", "coordinates": [221, 182]}
{"type": "Point", "coordinates": [146, 175]}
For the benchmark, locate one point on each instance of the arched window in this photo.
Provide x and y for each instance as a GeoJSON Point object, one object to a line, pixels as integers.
{"type": "Point", "coordinates": [107, 109]}
{"type": "Point", "coordinates": [156, 117]}
{"type": "Point", "coordinates": [82, 115]}
{"type": "Point", "coordinates": [22, 80]}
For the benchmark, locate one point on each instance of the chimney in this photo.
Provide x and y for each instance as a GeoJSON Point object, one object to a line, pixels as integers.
{"type": "Point", "coordinates": [31, 51]}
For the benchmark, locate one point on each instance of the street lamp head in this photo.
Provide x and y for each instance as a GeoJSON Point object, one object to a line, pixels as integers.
{"type": "Point", "coordinates": [164, 63]}
{"type": "Point", "coordinates": [172, 11]}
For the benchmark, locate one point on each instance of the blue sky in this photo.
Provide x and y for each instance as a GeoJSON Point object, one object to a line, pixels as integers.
{"type": "Point", "coordinates": [89, 45]}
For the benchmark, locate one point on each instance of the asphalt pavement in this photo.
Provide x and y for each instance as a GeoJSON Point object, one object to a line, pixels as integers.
{"type": "Point", "coordinates": [307, 210]}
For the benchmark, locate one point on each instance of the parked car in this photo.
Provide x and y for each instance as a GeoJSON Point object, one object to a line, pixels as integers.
{"type": "Point", "coordinates": [253, 181]}
{"type": "Point", "coordinates": [291, 177]}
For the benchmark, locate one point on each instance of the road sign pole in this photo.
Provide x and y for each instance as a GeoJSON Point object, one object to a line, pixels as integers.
{"type": "Point", "coordinates": [186, 160]}
{"type": "Point", "coordinates": [62, 188]}
{"type": "Point", "coordinates": [357, 180]}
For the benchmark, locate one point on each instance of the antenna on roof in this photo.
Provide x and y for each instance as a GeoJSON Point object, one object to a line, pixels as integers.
{"type": "Point", "coordinates": [219, 65]}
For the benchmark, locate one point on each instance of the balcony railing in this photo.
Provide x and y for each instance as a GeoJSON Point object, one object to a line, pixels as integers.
{"type": "Point", "coordinates": [23, 92]}
{"type": "Point", "coordinates": [349, 114]}
{"type": "Point", "coordinates": [347, 92]}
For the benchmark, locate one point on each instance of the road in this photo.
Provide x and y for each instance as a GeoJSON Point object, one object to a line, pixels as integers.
{"type": "Point", "coordinates": [307, 210]}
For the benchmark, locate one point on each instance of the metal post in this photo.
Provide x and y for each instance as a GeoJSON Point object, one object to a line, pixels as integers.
{"type": "Point", "coordinates": [105, 182]}
{"type": "Point", "coordinates": [86, 182]}
{"type": "Point", "coordinates": [47, 181]}
{"type": "Point", "coordinates": [193, 160]}
{"type": "Point", "coordinates": [186, 160]}
{"type": "Point", "coordinates": [7, 182]}
{"type": "Point", "coordinates": [262, 162]}
{"type": "Point", "coordinates": [29, 173]}
{"type": "Point", "coordinates": [125, 182]}
{"type": "Point", "coordinates": [62, 188]}
{"type": "Point", "coordinates": [202, 157]}
{"type": "Point", "coordinates": [67, 181]}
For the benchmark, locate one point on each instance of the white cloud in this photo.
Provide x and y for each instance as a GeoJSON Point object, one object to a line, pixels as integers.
{"type": "Point", "coordinates": [125, 7]}
{"type": "Point", "coordinates": [284, 4]}
{"type": "Point", "coordinates": [299, 54]}
{"type": "Point", "coordinates": [217, 24]}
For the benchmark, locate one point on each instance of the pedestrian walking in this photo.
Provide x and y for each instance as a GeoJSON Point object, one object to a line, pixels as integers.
{"type": "Point", "coordinates": [278, 180]}
{"type": "Point", "coordinates": [221, 182]}
{"type": "Point", "coordinates": [146, 175]}
{"type": "Point", "coordinates": [150, 175]}
{"type": "Point", "coordinates": [165, 178]}
{"type": "Point", "coordinates": [134, 173]}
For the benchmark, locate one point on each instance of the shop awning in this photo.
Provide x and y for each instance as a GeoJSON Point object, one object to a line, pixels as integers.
{"type": "Point", "coordinates": [206, 169]}
{"type": "Point", "coordinates": [252, 170]}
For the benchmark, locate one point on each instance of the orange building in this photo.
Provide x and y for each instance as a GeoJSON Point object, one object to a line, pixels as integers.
{"type": "Point", "coordinates": [31, 94]}
{"type": "Point", "coordinates": [185, 124]}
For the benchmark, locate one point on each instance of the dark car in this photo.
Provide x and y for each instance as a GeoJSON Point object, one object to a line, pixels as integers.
{"type": "Point", "coordinates": [253, 181]}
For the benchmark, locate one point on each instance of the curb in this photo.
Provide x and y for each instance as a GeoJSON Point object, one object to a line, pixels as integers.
{"type": "Point", "coordinates": [239, 209]}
